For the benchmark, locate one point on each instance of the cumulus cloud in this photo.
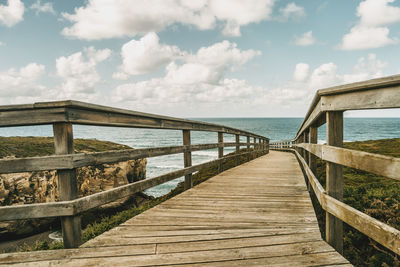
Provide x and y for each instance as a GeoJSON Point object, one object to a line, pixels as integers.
{"type": "Point", "coordinates": [43, 8]}
{"type": "Point", "coordinates": [102, 19]}
{"type": "Point", "coordinates": [12, 12]}
{"type": "Point", "coordinates": [371, 31]}
{"type": "Point", "coordinates": [239, 13]}
{"type": "Point", "coordinates": [199, 76]}
{"type": "Point", "coordinates": [301, 72]}
{"type": "Point", "coordinates": [305, 40]}
{"type": "Point", "coordinates": [145, 55]}
{"type": "Point", "coordinates": [292, 11]}
{"type": "Point", "coordinates": [22, 82]}
{"type": "Point", "coordinates": [78, 71]}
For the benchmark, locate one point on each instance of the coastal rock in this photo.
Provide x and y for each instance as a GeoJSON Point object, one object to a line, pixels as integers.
{"type": "Point", "coordinates": [40, 187]}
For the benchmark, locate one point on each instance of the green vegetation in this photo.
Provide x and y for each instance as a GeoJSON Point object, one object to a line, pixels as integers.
{"type": "Point", "coordinates": [374, 195]}
{"type": "Point", "coordinates": [21, 147]}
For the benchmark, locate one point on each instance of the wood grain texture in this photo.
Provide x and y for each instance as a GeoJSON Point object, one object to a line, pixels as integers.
{"type": "Point", "coordinates": [380, 232]}
{"type": "Point", "coordinates": [268, 220]}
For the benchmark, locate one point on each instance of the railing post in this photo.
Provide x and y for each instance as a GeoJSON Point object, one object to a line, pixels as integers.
{"type": "Point", "coordinates": [312, 159]}
{"type": "Point", "coordinates": [334, 178]}
{"type": "Point", "coordinates": [187, 159]}
{"type": "Point", "coordinates": [67, 184]}
{"type": "Point", "coordinates": [237, 149]}
{"type": "Point", "coordinates": [255, 147]}
{"type": "Point", "coordinates": [305, 140]}
{"type": "Point", "coordinates": [248, 148]}
{"type": "Point", "coordinates": [267, 146]}
{"type": "Point", "coordinates": [220, 151]}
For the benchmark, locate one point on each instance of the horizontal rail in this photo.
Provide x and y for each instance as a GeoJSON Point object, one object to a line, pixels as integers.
{"type": "Point", "coordinates": [70, 161]}
{"type": "Point", "coordinates": [375, 163]}
{"type": "Point", "coordinates": [378, 231]}
{"type": "Point", "coordinates": [89, 114]}
{"type": "Point", "coordinates": [79, 205]}
{"type": "Point", "coordinates": [372, 94]}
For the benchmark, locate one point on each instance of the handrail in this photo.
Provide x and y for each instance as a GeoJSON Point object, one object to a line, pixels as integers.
{"type": "Point", "coordinates": [77, 112]}
{"type": "Point", "coordinates": [327, 107]}
{"type": "Point", "coordinates": [63, 114]}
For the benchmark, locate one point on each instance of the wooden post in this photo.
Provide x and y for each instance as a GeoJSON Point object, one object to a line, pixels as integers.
{"type": "Point", "coordinates": [261, 146]}
{"type": "Point", "coordinates": [237, 150]}
{"type": "Point", "coordinates": [67, 184]}
{"type": "Point", "coordinates": [187, 159]}
{"type": "Point", "coordinates": [334, 179]}
{"type": "Point", "coordinates": [305, 140]}
{"type": "Point", "coordinates": [255, 147]}
{"type": "Point", "coordinates": [267, 146]}
{"type": "Point", "coordinates": [248, 148]}
{"type": "Point", "coordinates": [312, 159]}
{"type": "Point", "coordinates": [220, 151]}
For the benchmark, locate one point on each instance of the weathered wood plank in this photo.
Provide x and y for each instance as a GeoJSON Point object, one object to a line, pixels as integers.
{"type": "Point", "coordinates": [187, 159]}
{"type": "Point", "coordinates": [375, 163]}
{"type": "Point", "coordinates": [380, 232]}
{"type": "Point", "coordinates": [334, 179]}
{"type": "Point", "coordinates": [67, 184]}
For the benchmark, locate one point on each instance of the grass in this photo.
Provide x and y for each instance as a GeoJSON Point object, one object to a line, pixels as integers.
{"type": "Point", "coordinates": [377, 196]}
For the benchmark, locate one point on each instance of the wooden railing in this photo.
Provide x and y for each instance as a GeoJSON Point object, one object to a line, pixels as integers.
{"type": "Point", "coordinates": [62, 115]}
{"type": "Point", "coordinates": [327, 107]}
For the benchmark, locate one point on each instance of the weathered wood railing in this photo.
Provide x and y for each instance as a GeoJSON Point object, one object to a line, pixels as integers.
{"type": "Point", "coordinates": [62, 115]}
{"type": "Point", "coordinates": [327, 107]}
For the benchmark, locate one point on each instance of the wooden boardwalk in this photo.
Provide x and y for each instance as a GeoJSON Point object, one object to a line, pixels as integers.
{"type": "Point", "coordinates": [257, 214]}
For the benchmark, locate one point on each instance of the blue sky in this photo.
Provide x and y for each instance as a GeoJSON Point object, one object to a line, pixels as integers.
{"type": "Point", "coordinates": [186, 58]}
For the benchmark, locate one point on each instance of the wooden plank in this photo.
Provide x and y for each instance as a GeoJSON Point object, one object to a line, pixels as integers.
{"type": "Point", "coordinates": [187, 159]}
{"type": "Point", "coordinates": [334, 179]}
{"type": "Point", "coordinates": [379, 98]}
{"type": "Point", "coordinates": [380, 232]}
{"type": "Point", "coordinates": [375, 163]}
{"type": "Point", "coordinates": [237, 137]}
{"type": "Point", "coordinates": [85, 113]}
{"type": "Point", "coordinates": [67, 184]}
{"type": "Point", "coordinates": [220, 151]}
{"type": "Point", "coordinates": [248, 147]}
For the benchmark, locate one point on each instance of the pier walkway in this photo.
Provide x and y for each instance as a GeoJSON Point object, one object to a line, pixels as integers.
{"type": "Point", "coordinates": [256, 214]}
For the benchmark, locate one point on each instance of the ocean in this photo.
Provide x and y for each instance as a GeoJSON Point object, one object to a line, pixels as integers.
{"type": "Point", "coordinates": [355, 129]}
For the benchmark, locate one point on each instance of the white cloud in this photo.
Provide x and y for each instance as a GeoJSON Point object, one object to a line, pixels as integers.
{"type": "Point", "coordinates": [301, 72]}
{"type": "Point", "coordinates": [43, 8]}
{"type": "Point", "coordinates": [305, 40]}
{"type": "Point", "coordinates": [101, 19]}
{"type": "Point", "coordinates": [292, 11]}
{"type": "Point", "coordinates": [1, 44]}
{"type": "Point", "coordinates": [361, 37]}
{"type": "Point", "coordinates": [378, 12]}
{"type": "Point", "coordinates": [12, 13]}
{"type": "Point", "coordinates": [237, 13]}
{"type": "Point", "coordinates": [201, 77]}
{"type": "Point", "coordinates": [78, 71]}
{"type": "Point", "coordinates": [370, 32]}
{"type": "Point", "coordinates": [209, 64]}
{"type": "Point", "coordinates": [145, 55]}
{"type": "Point", "coordinates": [22, 82]}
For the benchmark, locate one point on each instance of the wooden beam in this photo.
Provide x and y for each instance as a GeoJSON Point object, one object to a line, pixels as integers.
{"type": "Point", "coordinates": [237, 149]}
{"type": "Point", "coordinates": [220, 151]}
{"type": "Point", "coordinates": [67, 184]}
{"type": "Point", "coordinates": [248, 148]}
{"type": "Point", "coordinates": [187, 159]}
{"type": "Point", "coordinates": [378, 231]}
{"type": "Point", "coordinates": [334, 179]}
{"type": "Point", "coordinates": [375, 163]}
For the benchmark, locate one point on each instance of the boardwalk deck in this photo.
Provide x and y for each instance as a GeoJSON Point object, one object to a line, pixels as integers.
{"type": "Point", "coordinates": [257, 214]}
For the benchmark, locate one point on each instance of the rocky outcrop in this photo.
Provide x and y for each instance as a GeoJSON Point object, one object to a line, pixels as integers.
{"type": "Point", "coordinates": [40, 187]}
